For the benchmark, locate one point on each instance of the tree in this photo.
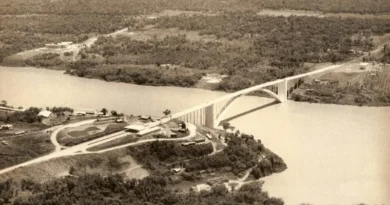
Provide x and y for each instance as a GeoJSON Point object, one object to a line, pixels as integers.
{"type": "Point", "coordinates": [225, 125]}
{"type": "Point", "coordinates": [114, 113]}
{"type": "Point", "coordinates": [167, 112]}
{"type": "Point", "coordinates": [104, 111]}
{"type": "Point", "coordinates": [4, 102]}
{"type": "Point", "coordinates": [183, 125]}
{"type": "Point", "coordinates": [72, 170]}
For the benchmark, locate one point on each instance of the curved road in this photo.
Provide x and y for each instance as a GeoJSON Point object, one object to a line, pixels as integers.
{"type": "Point", "coordinates": [81, 148]}
{"type": "Point", "coordinates": [53, 136]}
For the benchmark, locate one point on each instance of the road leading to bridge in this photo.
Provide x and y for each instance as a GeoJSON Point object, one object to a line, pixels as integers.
{"type": "Point", "coordinates": [81, 148]}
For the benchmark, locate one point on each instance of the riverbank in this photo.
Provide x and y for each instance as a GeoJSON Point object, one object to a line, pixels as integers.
{"type": "Point", "coordinates": [182, 50]}
{"type": "Point", "coordinates": [360, 84]}
{"type": "Point", "coordinates": [313, 141]}
{"type": "Point", "coordinates": [204, 155]}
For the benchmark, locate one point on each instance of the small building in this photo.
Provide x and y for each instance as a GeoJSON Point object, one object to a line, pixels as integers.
{"type": "Point", "coordinates": [177, 170]}
{"type": "Point", "coordinates": [148, 131]}
{"type": "Point", "coordinates": [145, 117]}
{"type": "Point", "coordinates": [85, 112]}
{"type": "Point", "coordinates": [79, 113]}
{"type": "Point", "coordinates": [372, 74]}
{"type": "Point", "coordinates": [173, 135]}
{"type": "Point", "coordinates": [119, 120]}
{"type": "Point", "coordinates": [324, 82]}
{"type": "Point", "coordinates": [134, 128]}
{"type": "Point", "coordinates": [199, 139]}
{"type": "Point", "coordinates": [165, 66]}
{"type": "Point", "coordinates": [209, 136]}
{"type": "Point", "coordinates": [6, 127]}
{"type": "Point", "coordinates": [363, 66]}
{"type": "Point", "coordinates": [4, 142]}
{"type": "Point", "coordinates": [187, 143]}
{"type": "Point", "coordinates": [20, 132]}
{"type": "Point", "coordinates": [201, 187]}
{"type": "Point", "coordinates": [45, 113]}
{"type": "Point", "coordinates": [309, 91]}
{"type": "Point", "coordinates": [317, 80]}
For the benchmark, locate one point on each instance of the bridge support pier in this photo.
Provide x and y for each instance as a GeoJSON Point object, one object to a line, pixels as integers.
{"type": "Point", "coordinates": [210, 116]}
{"type": "Point", "coordinates": [282, 90]}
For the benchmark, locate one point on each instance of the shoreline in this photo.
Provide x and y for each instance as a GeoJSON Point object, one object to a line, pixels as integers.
{"type": "Point", "coordinates": [210, 86]}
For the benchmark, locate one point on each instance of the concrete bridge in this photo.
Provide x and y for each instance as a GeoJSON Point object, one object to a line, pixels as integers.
{"type": "Point", "coordinates": [210, 113]}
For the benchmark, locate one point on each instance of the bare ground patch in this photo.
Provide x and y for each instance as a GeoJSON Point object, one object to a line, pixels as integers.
{"type": "Point", "coordinates": [117, 161]}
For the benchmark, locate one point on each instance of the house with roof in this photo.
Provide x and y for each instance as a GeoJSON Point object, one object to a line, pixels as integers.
{"type": "Point", "coordinates": [45, 113]}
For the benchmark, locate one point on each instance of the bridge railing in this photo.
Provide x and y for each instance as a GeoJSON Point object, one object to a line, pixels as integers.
{"type": "Point", "coordinates": [197, 114]}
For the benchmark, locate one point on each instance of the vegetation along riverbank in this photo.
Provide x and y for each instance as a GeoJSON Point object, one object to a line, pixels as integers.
{"type": "Point", "coordinates": [160, 47]}
{"type": "Point", "coordinates": [176, 160]}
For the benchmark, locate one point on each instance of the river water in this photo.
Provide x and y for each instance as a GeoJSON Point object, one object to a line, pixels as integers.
{"type": "Point", "coordinates": [335, 154]}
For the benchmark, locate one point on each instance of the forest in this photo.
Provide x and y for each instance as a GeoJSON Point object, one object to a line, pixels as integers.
{"type": "Point", "coordinates": [251, 49]}
{"type": "Point", "coordinates": [241, 154]}
{"type": "Point", "coordinates": [114, 190]}
{"type": "Point", "coordinates": [30, 115]}
{"type": "Point", "coordinates": [264, 49]}
{"type": "Point", "coordinates": [135, 7]}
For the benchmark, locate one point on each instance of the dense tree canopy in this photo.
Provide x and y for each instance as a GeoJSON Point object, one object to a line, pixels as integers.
{"type": "Point", "coordinates": [113, 190]}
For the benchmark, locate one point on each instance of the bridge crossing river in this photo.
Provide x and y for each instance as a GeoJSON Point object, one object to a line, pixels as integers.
{"type": "Point", "coordinates": [210, 113]}
{"type": "Point", "coordinates": [335, 154]}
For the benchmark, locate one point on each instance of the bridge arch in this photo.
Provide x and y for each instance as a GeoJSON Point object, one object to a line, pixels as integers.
{"type": "Point", "coordinates": [220, 113]}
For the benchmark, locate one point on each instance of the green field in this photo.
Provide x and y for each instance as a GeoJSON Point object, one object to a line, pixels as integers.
{"type": "Point", "coordinates": [82, 133]}
{"type": "Point", "coordinates": [23, 148]}
{"type": "Point", "coordinates": [121, 141]}
{"type": "Point", "coordinates": [83, 136]}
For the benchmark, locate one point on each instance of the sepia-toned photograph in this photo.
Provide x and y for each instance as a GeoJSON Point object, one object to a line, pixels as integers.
{"type": "Point", "coordinates": [194, 102]}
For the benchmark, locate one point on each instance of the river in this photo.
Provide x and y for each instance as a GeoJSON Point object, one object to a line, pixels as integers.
{"type": "Point", "coordinates": [335, 154]}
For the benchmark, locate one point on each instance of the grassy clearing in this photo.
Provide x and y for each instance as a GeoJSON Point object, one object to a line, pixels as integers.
{"type": "Point", "coordinates": [104, 164]}
{"type": "Point", "coordinates": [24, 148]}
{"type": "Point", "coordinates": [64, 139]}
{"type": "Point", "coordinates": [82, 133]}
{"type": "Point", "coordinates": [121, 141]}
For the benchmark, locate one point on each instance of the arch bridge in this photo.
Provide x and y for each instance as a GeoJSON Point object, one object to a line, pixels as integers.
{"type": "Point", "coordinates": [210, 113]}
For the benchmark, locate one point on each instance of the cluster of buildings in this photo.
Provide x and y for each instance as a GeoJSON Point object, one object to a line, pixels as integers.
{"type": "Point", "coordinates": [141, 130]}
{"type": "Point", "coordinates": [196, 140]}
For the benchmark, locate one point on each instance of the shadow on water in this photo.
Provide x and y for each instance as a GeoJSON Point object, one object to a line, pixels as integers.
{"type": "Point", "coordinates": [248, 112]}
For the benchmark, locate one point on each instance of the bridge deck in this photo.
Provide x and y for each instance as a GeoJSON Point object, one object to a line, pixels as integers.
{"type": "Point", "coordinates": [248, 90]}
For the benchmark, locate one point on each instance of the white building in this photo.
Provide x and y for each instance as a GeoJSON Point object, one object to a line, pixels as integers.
{"type": "Point", "coordinates": [85, 112]}
{"type": "Point", "coordinates": [6, 127]}
{"type": "Point", "coordinates": [45, 113]}
{"type": "Point", "coordinates": [134, 128]}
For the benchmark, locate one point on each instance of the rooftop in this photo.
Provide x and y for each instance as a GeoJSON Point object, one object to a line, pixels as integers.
{"type": "Point", "coordinates": [44, 113]}
{"type": "Point", "coordinates": [136, 128]}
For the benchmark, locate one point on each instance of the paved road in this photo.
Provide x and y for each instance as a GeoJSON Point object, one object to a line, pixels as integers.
{"type": "Point", "coordinates": [191, 128]}
{"type": "Point", "coordinates": [81, 148]}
